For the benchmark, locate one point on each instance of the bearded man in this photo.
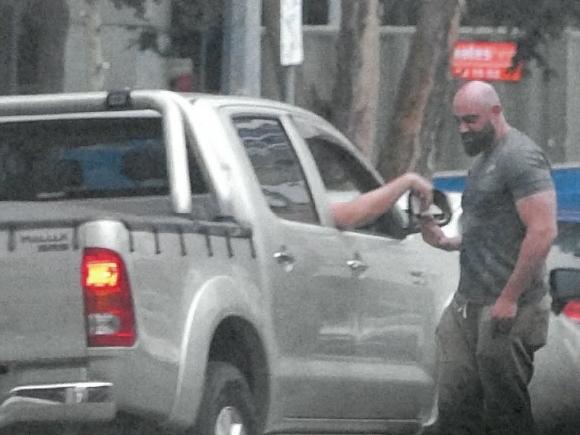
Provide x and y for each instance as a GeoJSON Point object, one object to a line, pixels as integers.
{"type": "Point", "coordinates": [499, 314]}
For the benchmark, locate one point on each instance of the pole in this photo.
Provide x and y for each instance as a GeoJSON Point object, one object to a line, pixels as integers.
{"type": "Point", "coordinates": [334, 13]}
{"type": "Point", "coordinates": [241, 61]}
{"type": "Point", "coordinates": [291, 45]}
{"type": "Point", "coordinates": [290, 85]}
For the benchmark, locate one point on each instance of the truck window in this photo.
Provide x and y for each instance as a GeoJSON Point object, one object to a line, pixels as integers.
{"type": "Point", "coordinates": [344, 177]}
{"type": "Point", "coordinates": [277, 168]}
{"type": "Point", "coordinates": [85, 158]}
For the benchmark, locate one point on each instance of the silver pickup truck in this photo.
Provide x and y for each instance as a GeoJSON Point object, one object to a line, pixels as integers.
{"type": "Point", "coordinates": [173, 258]}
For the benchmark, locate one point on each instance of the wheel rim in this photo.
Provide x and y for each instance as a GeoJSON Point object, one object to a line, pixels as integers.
{"type": "Point", "coordinates": [229, 422]}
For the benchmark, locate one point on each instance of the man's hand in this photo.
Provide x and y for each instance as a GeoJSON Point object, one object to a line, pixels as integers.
{"type": "Point", "coordinates": [431, 232]}
{"type": "Point", "coordinates": [434, 235]}
{"type": "Point", "coordinates": [423, 188]}
{"type": "Point", "coordinates": [503, 314]}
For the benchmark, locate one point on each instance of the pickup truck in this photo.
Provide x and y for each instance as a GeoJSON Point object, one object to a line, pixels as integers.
{"type": "Point", "coordinates": [172, 258]}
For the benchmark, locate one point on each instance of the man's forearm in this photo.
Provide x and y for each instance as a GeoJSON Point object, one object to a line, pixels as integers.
{"type": "Point", "coordinates": [434, 236]}
{"type": "Point", "coordinates": [370, 205]}
{"type": "Point", "coordinates": [450, 243]}
{"type": "Point", "coordinates": [377, 201]}
{"type": "Point", "coordinates": [533, 252]}
{"type": "Point", "coordinates": [538, 213]}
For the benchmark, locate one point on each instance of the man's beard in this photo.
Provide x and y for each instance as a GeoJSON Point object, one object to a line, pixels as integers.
{"type": "Point", "coordinates": [474, 142]}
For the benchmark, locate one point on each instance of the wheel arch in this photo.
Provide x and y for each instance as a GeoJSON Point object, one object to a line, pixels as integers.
{"type": "Point", "coordinates": [222, 313]}
{"type": "Point", "coordinates": [237, 342]}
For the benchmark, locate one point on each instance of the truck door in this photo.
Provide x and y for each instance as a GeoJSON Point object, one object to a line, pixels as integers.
{"type": "Point", "coordinates": [395, 307]}
{"type": "Point", "coordinates": [310, 294]}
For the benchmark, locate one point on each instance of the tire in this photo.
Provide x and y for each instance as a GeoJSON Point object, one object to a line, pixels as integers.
{"type": "Point", "coordinates": [227, 406]}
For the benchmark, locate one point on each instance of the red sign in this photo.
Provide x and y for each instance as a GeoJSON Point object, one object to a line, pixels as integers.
{"type": "Point", "coordinates": [478, 60]}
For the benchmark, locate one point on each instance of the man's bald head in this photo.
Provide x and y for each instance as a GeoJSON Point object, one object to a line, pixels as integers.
{"type": "Point", "coordinates": [477, 93]}
{"type": "Point", "coordinates": [479, 114]}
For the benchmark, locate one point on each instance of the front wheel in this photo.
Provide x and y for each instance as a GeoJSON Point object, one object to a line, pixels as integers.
{"type": "Point", "coordinates": [227, 407]}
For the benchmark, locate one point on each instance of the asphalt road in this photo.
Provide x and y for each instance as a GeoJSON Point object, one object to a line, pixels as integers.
{"type": "Point", "coordinates": [555, 392]}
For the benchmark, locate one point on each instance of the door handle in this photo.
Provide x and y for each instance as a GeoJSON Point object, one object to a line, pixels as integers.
{"type": "Point", "coordinates": [285, 258]}
{"type": "Point", "coordinates": [357, 266]}
{"type": "Point", "coordinates": [419, 277]}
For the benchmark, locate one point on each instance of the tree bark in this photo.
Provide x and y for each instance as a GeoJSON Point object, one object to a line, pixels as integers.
{"type": "Point", "coordinates": [439, 101]}
{"type": "Point", "coordinates": [356, 89]}
{"type": "Point", "coordinates": [417, 111]}
{"type": "Point", "coordinates": [33, 35]}
{"type": "Point", "coordinates": [271, 14]}
{"type": "Point", "coordinates": [55, 28]}
{"type": "Point", "coordinates": [96, 63]}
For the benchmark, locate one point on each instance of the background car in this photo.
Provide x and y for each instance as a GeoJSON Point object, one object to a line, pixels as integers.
{"type": "Point", "coordinates": [556, 384]}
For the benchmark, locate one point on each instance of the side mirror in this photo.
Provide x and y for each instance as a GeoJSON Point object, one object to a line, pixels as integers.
{"type": "Point", "coordinates": [440, 209]}
{"type": "Point", "coordinates": [564, 287]}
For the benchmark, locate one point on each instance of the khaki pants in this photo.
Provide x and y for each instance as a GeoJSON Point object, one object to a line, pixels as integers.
{"type": "Point", "coordinates": [484, 374]}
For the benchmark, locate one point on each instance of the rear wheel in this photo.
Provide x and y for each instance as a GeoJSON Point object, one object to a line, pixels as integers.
{"type": "Point", "coordinates": [227, 406]}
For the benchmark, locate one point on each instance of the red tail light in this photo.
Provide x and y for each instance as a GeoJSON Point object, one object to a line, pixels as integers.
{"type": "Point", "coordinates": [108, 303]}
{"type": "Point", "coordinates": [572, 310]}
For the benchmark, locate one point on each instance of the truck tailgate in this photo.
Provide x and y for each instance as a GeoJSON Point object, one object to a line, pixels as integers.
{"type": "Point", "coordinates": [41, 301]}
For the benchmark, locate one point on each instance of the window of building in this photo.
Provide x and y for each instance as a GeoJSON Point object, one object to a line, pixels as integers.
{"type": "Point", "coordinates": [315, 12]}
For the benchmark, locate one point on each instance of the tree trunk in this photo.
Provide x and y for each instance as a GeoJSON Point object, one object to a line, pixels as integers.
{"type": "Point", "coordinates": [439, 101]}
{"type": "Point", "coordinates": [16, 13]}
{"type": "Point", "coordinates": [271, 14]}
{"type": "Point", "coordinates": [356, 89]}
{"type": "Point", "coordinates": [417, 113]}
{"type": "Point", "coordinates": [55, 28]}
{"type": "Point", "coordinates": [32, 45]}
{"type": "Point", "coordinates": [96, 63]}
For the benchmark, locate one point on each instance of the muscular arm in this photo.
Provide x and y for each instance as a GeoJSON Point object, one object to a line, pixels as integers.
{"type": "Point", "coordinates": [369, 206]}
{"type": "Point", "coordinates": [538, 213]}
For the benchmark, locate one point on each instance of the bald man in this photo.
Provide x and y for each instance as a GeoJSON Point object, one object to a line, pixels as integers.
{"type": "Point", "coordinates": [499, 315]}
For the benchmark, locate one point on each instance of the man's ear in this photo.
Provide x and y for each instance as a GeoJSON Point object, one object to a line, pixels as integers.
{"type": "Point", "coordinates": [496, 109]}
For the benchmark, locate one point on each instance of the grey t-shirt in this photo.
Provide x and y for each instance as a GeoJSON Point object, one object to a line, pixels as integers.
{"type": "Point", "coordinates": [492, 231]}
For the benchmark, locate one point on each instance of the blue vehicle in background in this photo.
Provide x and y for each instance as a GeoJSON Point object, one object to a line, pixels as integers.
{"type": "Point", "coordinates": [566, 178]}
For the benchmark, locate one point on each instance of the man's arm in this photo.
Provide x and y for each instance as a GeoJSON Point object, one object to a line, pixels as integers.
{"type": "Point", "coordinates": [434, 236]}
{"type": "Point", "coordinates": [370, 205]}
{"type": "Point", "coordinates": [538, 213]}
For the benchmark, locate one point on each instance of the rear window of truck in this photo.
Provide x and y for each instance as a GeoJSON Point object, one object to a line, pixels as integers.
{"type": "Point", "coordinates": [44, 160]}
